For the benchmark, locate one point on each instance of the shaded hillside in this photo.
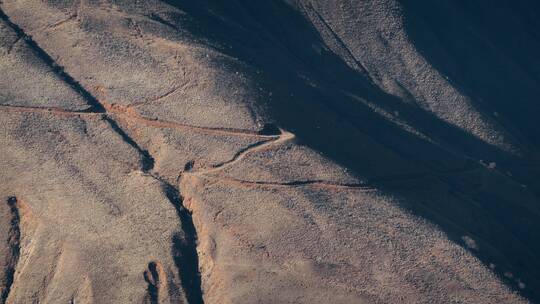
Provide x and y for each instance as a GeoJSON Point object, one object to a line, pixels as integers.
{"type": "Point", "coordinates": [271, 151]}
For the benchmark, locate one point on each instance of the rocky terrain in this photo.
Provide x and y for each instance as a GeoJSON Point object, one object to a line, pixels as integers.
{"type": "Point", "coordinates": [273, 151]}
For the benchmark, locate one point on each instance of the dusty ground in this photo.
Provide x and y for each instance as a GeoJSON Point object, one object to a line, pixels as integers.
{"type": "Point", "coordinates": [269, 151]}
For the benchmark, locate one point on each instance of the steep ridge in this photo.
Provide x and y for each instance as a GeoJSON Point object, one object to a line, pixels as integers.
{"type": "Point", "coordinates": [393, 176]}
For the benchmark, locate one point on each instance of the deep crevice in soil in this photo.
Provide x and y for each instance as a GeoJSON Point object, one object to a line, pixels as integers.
{"type": "Point", "coordinates": [185, 252]}
{"type": "Point", "coordinates": [13, 241]}
{"type": "Point", "coordinates": [185, 249]}
{"type": "Point", "coordinates": [147, 159]}
{"type": "Point", "coordinates": [151, 277]}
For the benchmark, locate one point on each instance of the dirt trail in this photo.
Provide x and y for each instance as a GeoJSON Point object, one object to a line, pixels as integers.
{"type": "Point", "coordinates": [128, 114]}
{"type": "Point", "coordinates": [261, 146]}
{"type": "Point", "coordinates": [47, 110]}
{"type": "Point", "coordinates": [186, 247]}
{"type": "Point", "coordinates": [268, 141]}
{"type": "Point", "coordinates": [276, 140]}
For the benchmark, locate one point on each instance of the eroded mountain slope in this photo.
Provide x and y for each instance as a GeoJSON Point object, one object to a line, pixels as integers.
{"type": "Point", "coordinates": [266, 152]}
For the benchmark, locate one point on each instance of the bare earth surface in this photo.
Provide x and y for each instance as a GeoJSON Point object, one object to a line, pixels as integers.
{"type": "Point", "coordinates": [322, 151]}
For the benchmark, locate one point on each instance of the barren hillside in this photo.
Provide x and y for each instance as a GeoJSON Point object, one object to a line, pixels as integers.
{"type": "Point", "coordinates": [272, 151]}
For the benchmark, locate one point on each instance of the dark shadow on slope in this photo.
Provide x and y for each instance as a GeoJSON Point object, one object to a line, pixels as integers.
{"type": "Point", "coordinates": [489, 50]}
{"type": "Point", "coordinates": [312, 97]}
{"type": "Point", "coordinates": [147, 161]}
{"type": "Point", "coordinates": [51, 63]}
{"type": "Point", "coordinates": [185, 249]}
{"type": "Point", "coordinates": [11, 257]}
{"type": "Point", "coordinates": [151, 276]}
{"type": "Point", "coordinates": [259, 34]}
